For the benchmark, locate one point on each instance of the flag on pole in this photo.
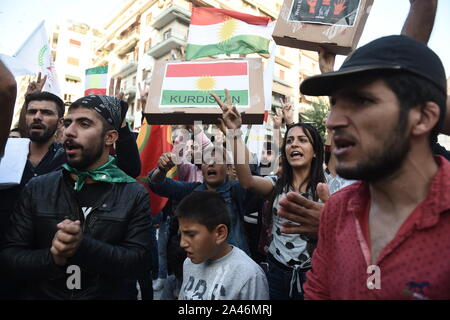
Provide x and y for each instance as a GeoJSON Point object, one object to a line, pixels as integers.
{"type": "Point", "coordinates": [34, 56]}
{"type": "Point", "coordinates": [14, 65]}
{"type": "Point", "coordinates": [215, 31]}
{"type": "Point", "coordinates": [96, 81]}
{"type": "Point", "coordinates": [153, 141]}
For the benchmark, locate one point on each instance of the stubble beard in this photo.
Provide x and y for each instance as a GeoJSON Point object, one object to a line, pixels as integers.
{"type": "Point", "coordinates": [44, 136]}
{"type": "Point", "coordinates": [88, 156]}
{"type": "Point", "coordinates": [379, 165]}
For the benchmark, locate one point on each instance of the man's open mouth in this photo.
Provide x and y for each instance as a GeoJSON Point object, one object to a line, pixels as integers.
{"type": "Point", "coordinates": [71, 146]}
{"type": "Point", "coordinates": [37, 127]}
{"type": "Point", "coordinates": [342, 145]}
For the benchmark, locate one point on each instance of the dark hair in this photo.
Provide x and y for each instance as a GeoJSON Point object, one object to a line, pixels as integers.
{"type": "Point", "coordinates": [106, 125]}
{"type": "Point", "coordinates": [14, 130]}
{"type": "Point", "coordinates": [412, 91]}
{"type": "Point", "coordinates": [315, 175]}
{"type": "Point", "coordinates": [205, 207]}
{"type": "Point", "coordinates": [46, 96]}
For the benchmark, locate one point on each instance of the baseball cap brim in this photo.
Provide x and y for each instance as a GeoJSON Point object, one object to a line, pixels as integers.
{"type": "Point", "coordinates": [325, 84]}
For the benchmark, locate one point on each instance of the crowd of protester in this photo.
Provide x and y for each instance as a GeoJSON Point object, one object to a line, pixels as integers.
{"type": "Point", "coordinates": [364, 215]}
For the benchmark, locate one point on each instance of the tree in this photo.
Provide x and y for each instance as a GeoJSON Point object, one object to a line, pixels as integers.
{"type": "Point", "coordinates": [318, 115]}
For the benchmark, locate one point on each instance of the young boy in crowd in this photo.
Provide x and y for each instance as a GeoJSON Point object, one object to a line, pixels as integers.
{"type": "Point", "coordinates": [214, 269]}
{"type": "Point", "coordinates": [215, 178]}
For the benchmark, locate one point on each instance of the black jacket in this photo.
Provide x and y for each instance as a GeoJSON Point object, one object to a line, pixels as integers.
{"type": "Point", "coordinates": [127, 155]}
{"type": "Point", "coordinates": [114, 252]}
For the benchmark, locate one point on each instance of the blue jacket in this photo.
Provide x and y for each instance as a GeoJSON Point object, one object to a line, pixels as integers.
{"type": "Point", "coordinates": [234, 195]}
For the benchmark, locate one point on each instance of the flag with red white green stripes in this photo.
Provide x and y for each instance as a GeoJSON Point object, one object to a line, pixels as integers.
{"type": "Point", "coordinates": [96, 81]}
{"type": "Point", "coordinates": [215, 31]}
{"type": "Point", "coordinates": [189, 84]}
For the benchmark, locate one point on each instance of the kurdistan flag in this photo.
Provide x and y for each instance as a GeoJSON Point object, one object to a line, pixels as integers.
{"type": "Point", "coordinates": [152, 141]}
{"type": "Point", "coordinates": [96, 80]}
{"type": "Point", "coordinates": [188, 84]}
{"type": "Point", "coordinates": [215, 31]}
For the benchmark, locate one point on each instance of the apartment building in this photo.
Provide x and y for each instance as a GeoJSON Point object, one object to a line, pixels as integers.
{"type": "Point", "coordinates": [143, 32]}
{"type": "Point", "coordinates": [72, 44]}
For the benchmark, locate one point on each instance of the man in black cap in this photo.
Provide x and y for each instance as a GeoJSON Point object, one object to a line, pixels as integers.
{"type": "Point", "coordinates": [387, 236]}
{"type": "Point", "coordinates": [83, 232]}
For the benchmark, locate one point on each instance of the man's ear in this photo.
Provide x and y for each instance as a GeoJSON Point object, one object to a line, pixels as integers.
{"type": "Point", "coordinates": [424, 118]}
{"type": "Point", "coordinates": [111, 137]}
{"type": "Point", "coordinates": [60, 122]}
{"type": "Point", "coordinates": [221, 232]}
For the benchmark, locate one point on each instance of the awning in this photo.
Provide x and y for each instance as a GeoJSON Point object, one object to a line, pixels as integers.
{"type": "Point", "coordinates": [74, 78]}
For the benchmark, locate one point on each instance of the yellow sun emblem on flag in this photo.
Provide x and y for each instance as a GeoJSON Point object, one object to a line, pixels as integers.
{"type": "Point", "coordinates": [228, 29]}
{"type": "Point", "coordinates": [206, 83]}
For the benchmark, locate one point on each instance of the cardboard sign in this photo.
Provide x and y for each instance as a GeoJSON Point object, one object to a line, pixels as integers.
{"type": "Point", "coordinates": [180, 91]}
{"type": "Point", "coordinates": [336, 25]}
{"type": "Point", "coordinates": [13, 163]}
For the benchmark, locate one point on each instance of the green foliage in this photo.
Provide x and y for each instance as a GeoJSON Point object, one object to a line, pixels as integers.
{"type": "Point", "coordinates": [318, 115]}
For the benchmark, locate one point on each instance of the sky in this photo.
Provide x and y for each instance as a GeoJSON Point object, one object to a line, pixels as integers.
{"type": "Point", "coordinates": [18, 18]}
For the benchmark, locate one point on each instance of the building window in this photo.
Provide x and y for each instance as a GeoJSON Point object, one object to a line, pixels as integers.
{"type": "Point", "coordinates": [146, 74]}
{"type": "Point", "coordinates": [149, 18]}
{"type": "Point", "coordinates": [136, 53]}
{"type": "Point", "coordinates": [73, 61]}
{"type": "Point", "coordinates": [68, 97]}
{"type": "Point", "coordinates": [75, 43]}
{"type": "Point", "coordinates": [55, 40]}
{"type": "Point", "coordinates": [282, 51]}
{"type": "Point", "coordinates": [282, 74]}
{"type": "Point", "coordinates": [167, 34]}
{"type": "Point", "coordinates": [147, 45]}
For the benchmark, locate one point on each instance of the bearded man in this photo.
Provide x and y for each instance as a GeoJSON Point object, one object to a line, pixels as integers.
{"type": "Point", "coordinates": [82, 232]}
{"type": "Point", "coordinates": [386, 236]}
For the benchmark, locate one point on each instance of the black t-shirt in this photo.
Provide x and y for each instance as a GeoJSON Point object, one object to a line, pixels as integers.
{"type": "Point", "coordinates": [89, 196]}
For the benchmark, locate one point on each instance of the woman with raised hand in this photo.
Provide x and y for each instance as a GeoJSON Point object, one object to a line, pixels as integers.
{"type": "Point", "coordinates": [289, 254]}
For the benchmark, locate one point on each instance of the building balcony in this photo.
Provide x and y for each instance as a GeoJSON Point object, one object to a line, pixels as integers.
{"type": "Point", "coordinates": [282, 87]}
{"type": "Point", "coordinates": [127, 45]}
{"type": "Point", "coordinates": [127, 69]}
{"type": "Point", "coordinates": [258, 5]}
{"type": "Point", "coordinates": [171, 14]}
{"type": "Point", "coordinates": [106, 44]}
{"type": "Point", "coordinates": [100, 61]}
{"type": "Point", "coordinates": [130, 93]}
{"type": "Point", "coordinates": [283, 61]}
{"type": "Point", "coordinates": [282, 82]}
{"type": "Point", "coordinates": [166, 46]}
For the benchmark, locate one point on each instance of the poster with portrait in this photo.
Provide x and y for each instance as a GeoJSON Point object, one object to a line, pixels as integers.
{"type": "Point", "coordinates": [328, 12]}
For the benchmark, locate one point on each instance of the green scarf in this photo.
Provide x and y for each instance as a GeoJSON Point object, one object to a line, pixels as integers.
{"type": "Point", "coordinates": [108, 172]}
